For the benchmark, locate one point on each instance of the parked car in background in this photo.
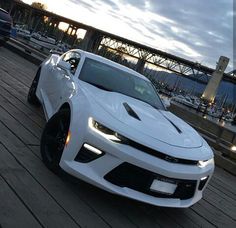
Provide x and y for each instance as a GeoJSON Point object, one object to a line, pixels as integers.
{"type": "Point", "coordinates": [5, 26]}
{"type": "Point", "coordinates": [185, 100]}
{"type": "Point", "coordinates": [23, 31]}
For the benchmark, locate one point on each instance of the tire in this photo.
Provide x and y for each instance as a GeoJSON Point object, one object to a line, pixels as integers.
{"type": "Point", "coordinates": [53, 140]}
{"type": "Point", "coordinates": [32, 98]}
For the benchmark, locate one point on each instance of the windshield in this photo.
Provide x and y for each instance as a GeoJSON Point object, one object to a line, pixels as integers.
{"type": "Point", "coordinates": [112, 79]}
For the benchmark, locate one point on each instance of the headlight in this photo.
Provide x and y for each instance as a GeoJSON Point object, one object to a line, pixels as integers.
{"type": "Point", "coordinates": [203, 164]}
{"type": "Point", "coordinates": [106, 132]}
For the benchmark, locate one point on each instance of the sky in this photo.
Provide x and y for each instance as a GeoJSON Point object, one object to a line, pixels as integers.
{"type": "Point", "coordinates": [197, 30]}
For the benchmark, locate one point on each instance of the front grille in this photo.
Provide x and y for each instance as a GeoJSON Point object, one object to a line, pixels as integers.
{"type": "Point", "coordinates": [161, 155]}
{"type": "Point", "coordinates": [136, 178]}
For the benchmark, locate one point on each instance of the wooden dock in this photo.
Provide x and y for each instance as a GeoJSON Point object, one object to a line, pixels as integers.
{"type": "Point", "coordinates": [32, 196]}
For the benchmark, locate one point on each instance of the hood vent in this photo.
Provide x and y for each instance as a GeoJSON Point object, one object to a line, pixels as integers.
{"type": "Point", "coordinates": [176, 127]}
{"type": "Point", "coordinates": [131, 112]}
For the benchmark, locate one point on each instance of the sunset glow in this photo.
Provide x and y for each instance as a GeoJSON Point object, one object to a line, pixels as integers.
{"type": "Point", "coordinates": [177, 33]}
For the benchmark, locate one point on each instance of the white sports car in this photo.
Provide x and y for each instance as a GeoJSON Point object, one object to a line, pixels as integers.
{"type": "Point", "coordinates": [107, 126]}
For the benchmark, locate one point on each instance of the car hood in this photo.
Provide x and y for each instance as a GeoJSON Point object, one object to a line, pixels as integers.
{"type": "Point", "coordinates": [158, 124]}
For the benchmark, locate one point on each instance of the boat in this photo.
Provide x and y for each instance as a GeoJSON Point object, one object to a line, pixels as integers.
{"type": "Point", "coordinates": [185, 100]}
{"type": "Point", "coordinates": [43, 40]}
{"type": "Point", "coordinates": [22, 31]}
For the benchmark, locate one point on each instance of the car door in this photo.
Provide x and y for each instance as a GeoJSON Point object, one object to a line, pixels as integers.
{"type": "Point", "coordinates": [64, 81]}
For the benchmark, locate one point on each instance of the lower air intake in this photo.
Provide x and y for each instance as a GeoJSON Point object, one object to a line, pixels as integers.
{"type": "Point", "coordinates": [86, 155]}
{"type": "Point", "coordinates": [130, 176]}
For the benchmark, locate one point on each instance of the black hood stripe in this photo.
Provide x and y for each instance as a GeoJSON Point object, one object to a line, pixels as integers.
{"type": "Point", "coordinates": [179, 131]}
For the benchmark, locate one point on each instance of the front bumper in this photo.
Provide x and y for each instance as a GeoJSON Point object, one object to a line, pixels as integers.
{"type": "Point", "coordinates": [102, 171]}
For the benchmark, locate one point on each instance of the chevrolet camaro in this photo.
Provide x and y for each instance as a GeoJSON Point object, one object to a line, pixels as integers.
{"type": "Point", "coordinates": [107, 125]}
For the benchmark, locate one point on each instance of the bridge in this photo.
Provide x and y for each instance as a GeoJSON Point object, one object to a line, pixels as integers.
{"type": "Point", "coordinates": [143, 58]}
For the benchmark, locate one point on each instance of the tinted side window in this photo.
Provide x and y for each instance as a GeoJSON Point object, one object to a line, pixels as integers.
{"type": "Point", "coordinates": [73, 58]}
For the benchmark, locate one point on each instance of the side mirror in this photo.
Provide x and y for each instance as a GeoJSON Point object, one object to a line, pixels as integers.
{"type": "Point", "coordinates": [64, 66]}
{"type": "Point", "coordinates": [166, 102]}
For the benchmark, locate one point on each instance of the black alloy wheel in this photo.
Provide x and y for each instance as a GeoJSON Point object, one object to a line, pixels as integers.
{"type": "Point", "coordinates": [32, 98]}
{"type": "Point", "coordinates": [53, 139]}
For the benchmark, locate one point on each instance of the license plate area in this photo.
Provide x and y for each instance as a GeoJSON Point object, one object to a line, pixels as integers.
{"type": "Point", "coordinates": [163, 186]}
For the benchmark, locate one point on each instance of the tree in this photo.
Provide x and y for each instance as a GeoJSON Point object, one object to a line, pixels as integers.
{"type": "Point", "coordinates": [39, 5]}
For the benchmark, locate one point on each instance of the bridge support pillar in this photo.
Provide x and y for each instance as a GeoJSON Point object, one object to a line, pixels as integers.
{"type": "Point", "coordinates": [212, 86]}
{"type": "Point", "coordinates": [91, 41]}
{"type": "Point", "coordinates": [140, 65]}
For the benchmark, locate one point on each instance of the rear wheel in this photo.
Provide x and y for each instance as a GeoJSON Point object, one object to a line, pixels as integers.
{"type": "Point", "coordinates": [32, 98]}
{"type": "Point", "coordinates": [54, 139]}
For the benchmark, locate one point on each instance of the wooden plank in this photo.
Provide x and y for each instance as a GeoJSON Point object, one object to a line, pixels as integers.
{"type": "Point", "coordinates": [39, 202]}
{"type": "Point", "coordinates": [150, 216]}
{"type": "Point", "coordinates": [18, 129]}
{"type": "Point", "coordinates": [184, 217]}
{"type": "Point", "coordinates": [225, 206]}
{"type": "Point", "coordinates": [16, 59]}
{"type": "Point", "coordinates": [13, 74]}
{"type": "Point", "coordinates": [13, 212]}
{"type": "Point", "coordinates": [144, 215]}
{"type": "Point", "coordinates": [213, 215]}
{"type": "Point", "coordinates": [216, 183]}
{"type": "Point", "coordinates": [33, 115]}
{"type": "Point", "coordinates": [82, 212]}
{"type": "Point", "coordinates": [13, 66]}
{"type": "Point", "coordinates": [18, 84]}
{"type": "Point", "coordinates": [101, 201]}
{"type": "Point", "coordinates": [21, 95]}
{"type": "Point", "coordinates": [21, 117]}
{"type": "Point", "coordinates": [221, 194]}
{"type": "Point", "coordinates": [225, 177]}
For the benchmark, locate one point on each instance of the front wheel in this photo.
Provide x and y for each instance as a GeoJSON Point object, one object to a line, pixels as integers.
{"type": "Point", "coordinates": [32, 98]}
{"type": "Point", "coordinates": [53, 139]}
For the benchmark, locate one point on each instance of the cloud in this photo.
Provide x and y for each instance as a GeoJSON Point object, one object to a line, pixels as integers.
{"type": "Point", "coordinates": [197, 30]}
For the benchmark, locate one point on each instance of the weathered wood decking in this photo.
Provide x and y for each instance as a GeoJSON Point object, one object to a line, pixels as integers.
{"type": "Point", "coordinates": [32, 196]}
